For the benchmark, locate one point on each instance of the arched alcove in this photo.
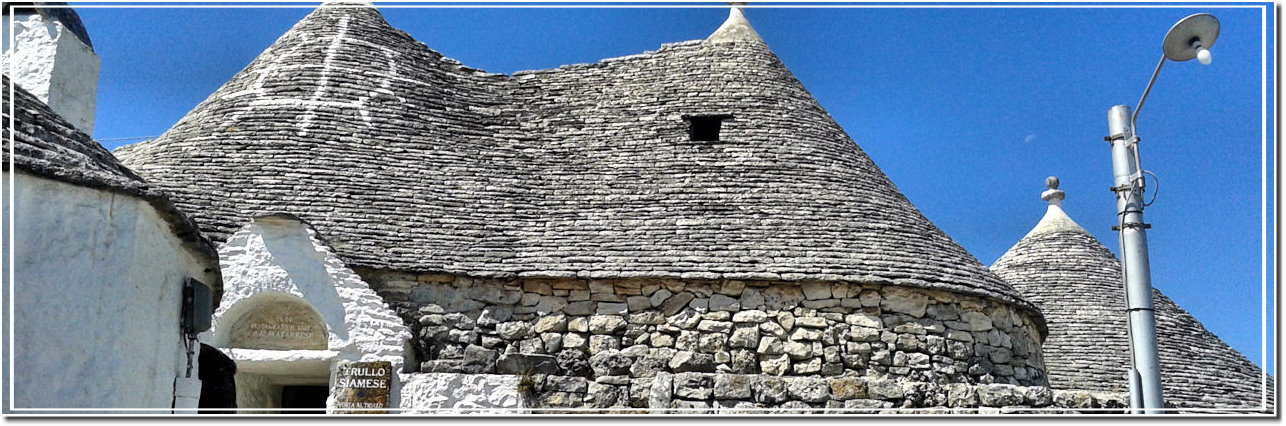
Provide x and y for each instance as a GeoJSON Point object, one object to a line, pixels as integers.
{"type": "Point", "coordinates": [275, 321]}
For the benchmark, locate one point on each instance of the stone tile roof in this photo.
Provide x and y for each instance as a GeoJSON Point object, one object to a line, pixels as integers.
{"type": "Point", "coordinates": [1076, 283]}
{"type": "Point", "coordinates": [407, 160]}
{"type": "Point", "coordinates": [46, 145]}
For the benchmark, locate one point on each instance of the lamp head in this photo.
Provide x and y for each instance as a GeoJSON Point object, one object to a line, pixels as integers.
{"type": "Point", "coordinates": [1191, 37]}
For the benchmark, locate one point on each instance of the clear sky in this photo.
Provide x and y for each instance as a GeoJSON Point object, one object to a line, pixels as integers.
{"type": "Point", "coordinates": [966, 109]}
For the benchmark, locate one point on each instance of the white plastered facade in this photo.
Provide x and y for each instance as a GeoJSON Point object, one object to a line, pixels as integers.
{"type": "Point", "coordinates": [277, 260]}
{"type": "Point", "coordinates": [96, 299]}
{"type": "Point", "coordinates": [54, 65]}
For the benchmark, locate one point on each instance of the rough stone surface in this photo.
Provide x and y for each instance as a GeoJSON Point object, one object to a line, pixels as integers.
{"type": "Point", "coordinates": [1077, 283]}
{"type": "Point", "coordinates": [384, 162]}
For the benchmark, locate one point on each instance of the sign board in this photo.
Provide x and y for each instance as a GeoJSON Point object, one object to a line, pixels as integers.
{"type": "Point", "coordinates": [281, 326]}
{"type": "Point", "coordinates": [362, 387]}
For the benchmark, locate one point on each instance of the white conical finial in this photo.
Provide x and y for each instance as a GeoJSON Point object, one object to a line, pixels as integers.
{"type": "Point", "coordinates": [735, 28]}
{"type": "Point", "coordinates": [1055, 220]}
{"type": "Point", "coordinates": [1053, 195]}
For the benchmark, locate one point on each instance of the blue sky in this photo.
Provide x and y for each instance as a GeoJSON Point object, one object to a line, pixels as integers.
{"type": "Point", "coordinates": [966, 109]}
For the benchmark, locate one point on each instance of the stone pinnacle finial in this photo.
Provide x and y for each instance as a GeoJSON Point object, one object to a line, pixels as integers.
{"type": "Point", "coordinates": [1053, 195]}
{"type": "Point", "coordinates": [735, 28]}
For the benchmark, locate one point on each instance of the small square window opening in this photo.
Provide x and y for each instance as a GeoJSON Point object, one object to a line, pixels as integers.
{"type": "Point", "coordinates": [705, 127]}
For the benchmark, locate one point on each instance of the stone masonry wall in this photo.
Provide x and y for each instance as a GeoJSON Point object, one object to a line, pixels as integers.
{"type": "Point", "coordinates": [611, 331]}
{"type": "Point", "coordinates": [702, 393]}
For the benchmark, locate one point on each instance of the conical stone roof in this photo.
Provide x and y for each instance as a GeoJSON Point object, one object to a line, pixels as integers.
{"type": "Point", "coordinates": [1076, 283]}
{"type": "Point", "coordinates": [407, 160]}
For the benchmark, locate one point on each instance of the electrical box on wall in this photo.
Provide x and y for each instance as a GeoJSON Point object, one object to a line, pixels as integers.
{"type": "Point", "coordinates": [198, 305]}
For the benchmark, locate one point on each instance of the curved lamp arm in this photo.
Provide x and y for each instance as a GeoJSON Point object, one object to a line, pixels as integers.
{"type": "Point", "coordinates": [1135, 117]}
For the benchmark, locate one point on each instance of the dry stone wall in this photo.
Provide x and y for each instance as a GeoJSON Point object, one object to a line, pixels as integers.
{"type": "Point", "coordinates": [718, 393]}
{"type": "Point", "coordinates": [612, 331]}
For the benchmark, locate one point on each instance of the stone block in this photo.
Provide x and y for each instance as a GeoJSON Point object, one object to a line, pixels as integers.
{"type": "Point", "coordinates": [602, 342]}
{"type": "Point", "coordinates": [516, 363]}
{"type": "Point", "coordinates": [660, 296]}
{"type": "Point", "coordinates": [809, 366]}
{"type": "Point", "coordinates": [904, 300]}
{"type": "Point", "coordinates": [637, 303]}
{"type": "Point", "coordinates": [661, 393]}
{"type": "Point", "coordinates": [751, 299]}
{"type": "Point", "coordinates": [977, 321]}
{"type": "Point", "coordinates": [607, 324]}
{"type": "Point", "coordinates": [573, 362]}
{"type": "Point", "coordinates": [1038, 396]}
{"type": "Point", "coordinates": [816, 290]}
{"type": "Point", "coordinates": [479, 361]}
{"type": "Point", "coordinates": [556, 323]}
{"type": "Point", "coordinates": [688, 361]}
{"type": "Point", "coordinates": [770, 390]}
{"type": "Point", "coordinates": [513, 330]}
{"type": "Point", "coordinates": [810, 322]}
{"type": "Point", "coordinates": [732, 386]}
{"type": "Point", "coordinates": [887, 390]}
{"type": "Point", "coordinates": [719, 302]}
{"type": "Point", "coordinates": [847, 388]}
{"type": "Point", "coordinates": [701, 304]}
{"type": "Point", "coordinates": [601, 395]}
{"type": "Point", "coordinates": [808, 389]}
{"type": "Point", "coordinates": [798, 350]}
{"type": "Point", "coordinates": [693, 386]}
{"type": "Point", "coordinates": [744, 336]}
{"type": "Point", "coordinates": [863, 334]}
{"type": "Point", "coordinates": [806, 334]}
{"type": "Point", "coordinates": [782, 297]}
{"type": "Point", "coordinates": [751, 316]}
{"type": "Point", "coordinates": [566, 384]}
{"type": "Point", "coordinates": [675, 303]}
{"type": "Point", "coordinates": [773, 328]}
{"type": "Point", "coordinates": [580, 308]}
{"type": "Point", "coordinates": [553, 342]}
{"type": "Point", "coordinates": [714, 326]}
{"type": "Point", "coordinates": [575, 341]}
{"type": "Point", "coordinates": [609, 308]}
{"type": "Point", "coordinates": [610, 363]}
{"type": "Point", "coordinates": [458, 321]}
{"type": "Point", "coordinates": [777, 365]}
{"type": "Point", "coordinates": [866, 406]}
{"type": "Point", "coordinates": [743, 361]}
{"type": "Point", "coordinates": [712, 342]}
{"type": "Point", "coordinates": [646, 317]}
{"type": "Point", "coordinates": [821, 304]}
{"type": "Point", "coordinates": [999, 395]}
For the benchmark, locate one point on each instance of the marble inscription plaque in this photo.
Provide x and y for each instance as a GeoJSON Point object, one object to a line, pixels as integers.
{"type": "Point", "coordinates": [362, 387]}
{"type": "Point", "coordinates": [279, 326]}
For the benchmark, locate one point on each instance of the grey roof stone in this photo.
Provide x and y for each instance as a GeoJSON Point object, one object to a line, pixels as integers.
{"type": "Point", "coordinates": [46, 145]}
{"type": "Point", "coordinates": [407, 160]}
{"type": "Point", "coordinates": [1076, 282]}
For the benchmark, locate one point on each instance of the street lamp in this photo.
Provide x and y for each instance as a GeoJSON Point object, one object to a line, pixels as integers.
{"type": "Point", "coordinates": [1189, 38]}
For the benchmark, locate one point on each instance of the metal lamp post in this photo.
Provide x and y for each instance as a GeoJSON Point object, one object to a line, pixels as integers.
{"type": "Point", "coordinates": [1189, 38]}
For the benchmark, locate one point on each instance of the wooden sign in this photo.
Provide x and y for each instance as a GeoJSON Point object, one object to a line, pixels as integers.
{"type": "Point", "coordinates": [362, 387]}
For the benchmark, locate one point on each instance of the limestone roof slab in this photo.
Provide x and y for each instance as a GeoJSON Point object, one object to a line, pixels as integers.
{"type": "Point", "coordinates": [407, 160]}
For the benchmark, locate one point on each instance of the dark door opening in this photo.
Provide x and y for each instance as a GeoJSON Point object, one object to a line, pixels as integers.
{"type": "Point", "coordinates": [298, 397]}
{"type": "Point", "coordinates": [218, 381]}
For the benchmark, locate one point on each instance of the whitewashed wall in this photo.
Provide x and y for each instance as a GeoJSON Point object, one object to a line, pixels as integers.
{"type": "Point", "coordinates": [98, 279]}
{"type": "Point", "coordinates": [56, 66]}
{"type": "Point", "coordinates": [276, 257]}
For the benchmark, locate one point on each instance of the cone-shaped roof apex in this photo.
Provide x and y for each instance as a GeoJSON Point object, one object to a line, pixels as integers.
{"type": "Point", "coordinates": [1076, 283]}
{"type": "Point", "coordinates": [1055, 219]}
{"type": "Point", "coordinates": [735, 28]}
